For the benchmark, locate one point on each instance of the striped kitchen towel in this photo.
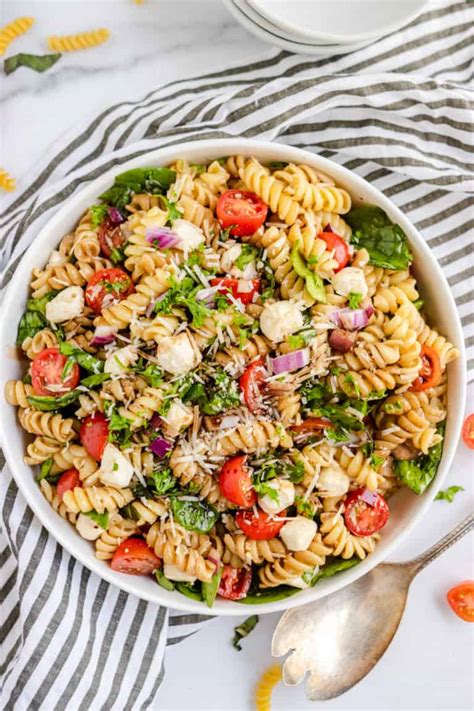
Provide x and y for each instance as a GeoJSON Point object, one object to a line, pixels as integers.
{"type": "Point", "coordinates": [397, 113]}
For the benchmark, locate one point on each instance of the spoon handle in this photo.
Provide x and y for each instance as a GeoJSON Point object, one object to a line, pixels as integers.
{"type": "Point", "coordinates": [452, 537]}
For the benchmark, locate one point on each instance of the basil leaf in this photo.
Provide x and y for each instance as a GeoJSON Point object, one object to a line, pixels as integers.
{"type": "Point", "coordinates": [278, 593]}
{"type": "Point", "coordinates": [101, 520]}
{"type": "Point", "coordinates": [45, 469]}
{"type": "Point", "coordinates": [418, 473]}
{"type": "Point", "coordinates": [46, 403]}
{"type": "Point", "coordinates": [448, 494]}
{"type": "Point", "coordinates": [40, 304]}
{"type": "Point", "coordinates": [190, 591]}
{"type": "Point", "coordinates": [243, 630]}
{"type": "Point", "coordinates": [385, 242]}
{"type": "Point", "coordinates": [150, 180]}
{"type": "Point", "coordinates": [209, 590]}
{"type": "Point", "coordinates": [314, 283]}
{"type": "Point", "coordinates": [68, 366]}
{"type": "Point", "coordinates": [163, 482]}
{"type": "Point", "coordinates": [93, 380]}
{"type": "Point", "coordinates": [162, 580]}
{"type": "Point", "coordinates": [339, 416]}
{"type": "Point", "coordinates": [30, 323]}
{"type": "Point", "coordinates": [85, 360]}
{"type": "Point", "coordinates": [331, 567]}
{"type": "Point", "coordinates": [98, 214]}
{"type": "Point", "coordinates": [194, 515]}
{"type": "Point", "coordinates": [36, 62]}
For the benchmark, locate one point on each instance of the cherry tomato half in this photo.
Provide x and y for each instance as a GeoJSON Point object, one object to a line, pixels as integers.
{"type": "Point", "coordinates": [237, 287]}
{"type": "Point", "coordinates": [68, 481]}
{"type": "Point", "coordinates": [243, 210]}
{"type": "Point", "coordinates": [235, 482]}
{"type": "Point", "coordinates": [311, 425]}
{"type": "Point", "coordinates": [468, 431]}
{"type": "Point", "coordinates": [47, 373]}
{"type": "Point", "coordinates": [107, 287]}
{"type": "Point", "coordinates": [430, 373]}
{"type": "Point", "coordinates": [110, 237]}
{"type": "Point", "coordinates": [134, 557]}
{"type": "Point", "coordinates": [94, 434]}
{"type": "Point", "coordinates": [259, 527]}
{"type": "Point", "coordinates": [340, 247]}
{"type": "Point", "coordinates": [235, 582]}
{"type": "Point", "coordinates": [251, 383]}
{"type": "Point", "coordinates": [365, 512]}
{"type": "Point", "coordinates": [461, 599]}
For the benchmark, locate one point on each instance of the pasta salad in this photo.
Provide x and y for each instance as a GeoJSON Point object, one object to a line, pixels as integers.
{"type": "Point", "coordinates": [230, 373]}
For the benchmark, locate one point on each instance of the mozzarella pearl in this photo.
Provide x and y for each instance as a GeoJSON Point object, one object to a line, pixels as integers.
{"type": "Point", "coordinates": [298, 582]}
{"type": "Point", "coordinates": [172, 572]}
{"type": "Point", "coordinates": [190, 235]}
{"type": "Point", "coordinates": [178, 354]}
{"type": "Point", "coordinates": [179, 417]}
{"type": "Point", "coordinates": [120, 360]}
{"type": "Point", "coordinates": [298, 533]}
{"type": "Point", "coordinates": [115, 469]}
{"type": "Point", "coordinates": [333, 481]}
{"type": "Point", "coordinates": [280, 319]}
{"type": "Point", "coordinates": [350, 280]}
{"type": "Point", "coordinates": [88, 529]}
{"type": "Point", "coordinates": [68, 304]}
{"type": "Point", "coordinates": [285, 496]}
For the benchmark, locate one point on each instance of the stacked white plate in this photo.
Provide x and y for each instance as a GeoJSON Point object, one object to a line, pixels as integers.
{"type": "Point", "coordinates": [323, 27]}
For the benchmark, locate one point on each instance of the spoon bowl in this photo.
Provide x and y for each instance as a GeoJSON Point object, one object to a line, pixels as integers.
{"type": "Point", "coordinates": [341, 637]}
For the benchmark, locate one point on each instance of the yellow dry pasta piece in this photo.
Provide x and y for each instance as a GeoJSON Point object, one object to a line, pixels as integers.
{"type": "Point", "coordinates": [14, 29]}
{"type": "Point", "coordinates": [7, 182]}
{"type": "Point", "coordinates": [81, 40]}
{"type": "Point", "coordinates": [265, 686]}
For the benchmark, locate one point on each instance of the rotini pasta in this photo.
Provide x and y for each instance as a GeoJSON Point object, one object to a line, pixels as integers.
{"type": "Point", "coordinates": [14, 29]}
{"type": "Point", "coordinates": [7, 182]}
{"type": "Point", "coordinates": [82, 40]}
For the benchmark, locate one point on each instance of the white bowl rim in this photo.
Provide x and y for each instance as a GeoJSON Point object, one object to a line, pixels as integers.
{"type": "Point", "coordinates": [213, 148]}
{"type": "Point", "coordinates": [342, 38]}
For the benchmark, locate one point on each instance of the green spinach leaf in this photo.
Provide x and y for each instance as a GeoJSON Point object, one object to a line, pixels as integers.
{"type": "Point", "coordinates": [314, 283]}
{"type": "Point", "coordinates": [194, 515]}
{"type": "Point", "coordinates": [30, 323]}
{"type": "Point", "coordinates": [331, 567]}
{"type": "Point", "coordinates": [150, 180]}
{"type": "Point", "coordinates": [92, 381]}
{"type": "Point", "coordinates": [162, 580]}
{"type": "Point", "coordinates": [385, 242]}
{"type": "Point", "coordinates": [209, 590]}
{"type": "Point", "coordinates": [85, 360]}
{"type": "Point", "coordinates": [418, 473]}
{"type": "Point", "coordinates": [272, 595]}
{"type": "Point", "coordinates": [47, 403]}
{"type": "Point", "coordinates": [191, 591]}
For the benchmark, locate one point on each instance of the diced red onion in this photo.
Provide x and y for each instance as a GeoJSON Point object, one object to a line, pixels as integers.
{"type": "Point", "coordinates": [160, 446]}
{"type": "Point", "coordinates": [103, 335]}
{"type": "Point", "coordinates": [115, 216]}
{"type": "Point", "coordinates": [162, 237]}
{"type": "Point", "coordinates": [156, 422]}
{"type": "Point", "coordinates": [290, 361]}
{"type": "Point", "coordinates": [342, 341]}
{"type": "Point", "coordinates": [153, 303]}
{"type": "Point", "coordinates": [370, 497]}
{"type": "Point", "coordinates": [352, 319]}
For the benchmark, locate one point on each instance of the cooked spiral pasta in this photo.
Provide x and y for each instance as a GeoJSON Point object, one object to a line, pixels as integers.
{"type": "Point", "coordinates": [119, 530]}
{"type": "Point", "coordinates": [120, 315]}
{"type": "Point", "coordinates": [259, 435]}
{"type": "Point", "coordinates": [294, 565]}
{"type": "Point", "coordinates": [47, 424]}
{"type": "Point", "coordinates": [41, 449]}
{"type": "Point", "coordinates": [250, 551]}
{"type": "Point", "coordinates": [82, 40]}
{"type": "Point", "coordinates": [99, 498]}
{"type": "Point", "coordinates": [186, 559]}
{"type": "Point", "coordinates": [257, 179]}
{"type": "Point", "coordinates": [17, 392]}
{"type": "Point", "coordinates": [51, 496]}
{"type": "Point", "coordinates": [340, 542]}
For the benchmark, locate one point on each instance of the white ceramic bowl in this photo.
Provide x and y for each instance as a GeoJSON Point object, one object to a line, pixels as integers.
{"type": "Point", "coordinates": [407, 509]}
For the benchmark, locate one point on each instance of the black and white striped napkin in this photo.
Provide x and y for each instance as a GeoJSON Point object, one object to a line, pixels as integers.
{"type": "Point", "coordinates": [397, 113]}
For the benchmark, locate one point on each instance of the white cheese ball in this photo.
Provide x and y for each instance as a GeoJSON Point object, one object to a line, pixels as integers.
{"type": "Point", "coordinates": [179, 417]}
{"type": "Point", "coordinates": [280, 319]}
{"type": "Point", "coordinates": [120, 360]}
{"type": "Point", "coordinates": [190, 235]}
{"type": "Point", "coordinates": [68, 304]}
{"type": "Point", "coordinates": [88, 529]}
{"type": "Point", "coordinates": [115, 469]}
{"type": "Point", "coordinates": [298, 533]}
{"type": "Point", "coordinates": [172, 572]}
{"type": "Point", "coordinates": [285, 496]}
{"type": "Point", "coordinates": [178, 354]}
{"type": "Point", "coordinates": [350, 280]}
{"type": "Point", "coordinates": [333, 481]}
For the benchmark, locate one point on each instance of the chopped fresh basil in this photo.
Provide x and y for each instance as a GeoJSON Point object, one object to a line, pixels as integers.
{"type": "Point", "coordinates": [209, 590]}
{"type": "Point", "coordinates": [216, 396]}
{"type": "Point", "coordinates": [40, 304]}
{"type": "Point", "coordinates": [339, 416]}
{"type": "Point", "coordinates": [47, 403]}
{"type": "Point", "coordinates": [45, 469]}
{"type": "Point", "coordinates": [376, 461]}
{"type": "Point", "coordinates": [268, 283]}
{"type": "Point", "coordinates": [304, 507]}
{"type": "Point", "coordinates": [36, 62]}
{"type": "Point", "coordinates": [248, 254]}
{"type": "Point", "coordinates": [101, 519]}
{"type": "Point", "coordinates": [385, 242]}
{"type": "Point", "coordinates": [98, 214]}
{"type": "Point", "coordinates": [117, 255]}
{"type": "Point", "coordinates": [314, 283]}
{"type": "Point", "coordinates": [68, 366]}
{"type": "Point", "coordinates": [85, 360]}
{"type": "Point", "coordinates": [194, 515]}
{"type": "Point", "coordinates": [448, 494]}
{"type": "Point", "coordinates": [92, 381]}
{"type": "Point", "coordinates": [418, 473]}
{"type": "Point", "coordinates": [119, 429]}
{"type": "Point", "coordinates": [243, 630]}
{"type": "Point", "coordinates": [163, 482]}
{"type": "Point", "coordinates": [354, 300]}
{"type": "Point", "coordinates": [30, 324]}
{"type": "Point", "coordinates": [174, 213]}
{"type": "Point", "coordinates": [162, 580]}
{"type": "Point", "coordinates": [419, 303]}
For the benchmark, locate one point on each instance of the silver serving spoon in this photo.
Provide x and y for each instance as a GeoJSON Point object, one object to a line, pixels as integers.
{"type": "Point", "coordinates": [341, 637]}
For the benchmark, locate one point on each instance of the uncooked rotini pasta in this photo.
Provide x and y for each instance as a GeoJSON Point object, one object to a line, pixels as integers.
{"type": "Point", "coordinates": [7, 182]}
{"type": "Point", "coordinates": [14, 29]}
{"type": "Point", "coordinates": [226, 381]}
{"type": "Point", "coordinates": [81, 40]}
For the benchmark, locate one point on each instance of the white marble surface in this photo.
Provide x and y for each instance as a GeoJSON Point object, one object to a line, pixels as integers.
{"type": "Point", "coordinates": [428, 665]}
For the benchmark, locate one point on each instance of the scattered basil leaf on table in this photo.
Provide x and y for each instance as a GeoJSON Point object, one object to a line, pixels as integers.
{"type": "Point", "coordinates": [36, 62]}
{"type": "Point", "coordinates": [243, 630]}
{"type": "Point", "coordinates": [448, 494]}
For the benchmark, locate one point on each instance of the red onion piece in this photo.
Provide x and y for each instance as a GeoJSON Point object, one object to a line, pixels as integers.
{"type": "Point", "coordinates": [103, 335]}
{"type": "Point", "coordinates": [342, 341]}
{"type": "Point", "coordinates": [352, 319]}
{"type": "Point", "coordinates": [370, 497]}
{"type": "Point", "coordinates": [160, 446]}
{"type": "Point", "coordinates": [115, 216]}
{"type": "Point", "coordinates": [162, 237]}
{"type": "Point", "coordinates": [155, 422]}
{"type": "Point", "coordinates": [290, 361]}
